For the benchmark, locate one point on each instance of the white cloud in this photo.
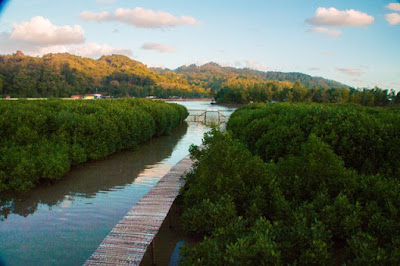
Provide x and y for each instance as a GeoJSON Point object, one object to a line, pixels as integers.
{"type": "Point", "coordinates": [95, 50]}
{"type": "Point", "coordinates": [329, 53]}
{"type": "Point", "coordinates": [8, 45]}
{"type": "Point", "coordinates": [145, 18]}
{"type": "Point", "coordinates": [39, 36]}
{"type": "Point", "coordinates": [255, 65]}
{"type": "Point", "coordinates": [354, 72]}
{"type": "Point", "coordinates": [157, 66]}
{"type": "Point", "coordinates": [393, 18]}
{"type": "Point", "coordinates": [394, 6]}
{"type": "Point", "coordinates": [141, 18]}
{"type": "Point", "coordinates": [334, 17]}
{"type": "Point", "coordinates": [239, 64]}
{"type": "Point", "coordinates": [90, 16]}
{"type": "Point", "coordinates": [40, 31]}
{"type": "Point", "coordinates": [333, 34]}
{"type": "Point", "coordinates": [48, 49]}
{"type": "Point", "coordinates": [158, 47]}
{"type": "Point", "coordinates": [105, 1]}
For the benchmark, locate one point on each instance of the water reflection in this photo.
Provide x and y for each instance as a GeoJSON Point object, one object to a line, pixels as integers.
{"type": "Point", "coordinates": [63, 223]}
{"type": "Point", "coordinates": [115, 172]}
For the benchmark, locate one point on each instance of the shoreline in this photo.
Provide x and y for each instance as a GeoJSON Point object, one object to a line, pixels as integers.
{"type": "Point", "coordinates": [184, 100]}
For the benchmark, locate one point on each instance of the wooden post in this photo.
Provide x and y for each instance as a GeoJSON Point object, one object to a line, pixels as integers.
{"type": "Point", "coordinates": [153, 254]}
{"type": "Point", "coordinates": [205, 118]}
{"type": "Point", "coordinates": [170, 219]}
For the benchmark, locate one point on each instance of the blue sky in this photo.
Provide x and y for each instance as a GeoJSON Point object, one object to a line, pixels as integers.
{"type": "Point", "coordinates": [354, 42]}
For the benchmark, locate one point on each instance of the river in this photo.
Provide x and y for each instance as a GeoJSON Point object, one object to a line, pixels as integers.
{"type": "Point", "coordinates": [63, 223]}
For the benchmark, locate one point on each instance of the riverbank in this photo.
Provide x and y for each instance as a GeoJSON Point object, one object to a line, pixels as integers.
{"type": "Point", "coordinates": [64, 222]}
{"type": "Point", "coordinates": [41, 140]}
{"type": "Point", "coordinates": [135, 233]}
{"type": "Point", "coordinates": [231, 105]}
{"type": "Point", "coordinates": [185, 100]}
{"type": "Point", "coordinates": [324, 191]}
{"type": "Point", "coordinates": [169, 239]}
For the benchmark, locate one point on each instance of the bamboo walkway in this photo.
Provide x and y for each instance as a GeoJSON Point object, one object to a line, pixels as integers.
{"type": "Point", "coordinates": [128, 241]}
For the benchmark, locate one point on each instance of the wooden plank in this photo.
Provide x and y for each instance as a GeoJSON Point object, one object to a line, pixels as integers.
{"type": "Point", "coordinates": [128, 241]}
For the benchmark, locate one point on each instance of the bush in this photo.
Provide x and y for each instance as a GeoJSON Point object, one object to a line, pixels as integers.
{"type": "Point", "coordinates": [41, 140]}
{"type": "Point", "coordinates": [300, 184]}
{"type": "Point", "coordinates": [367, 139]}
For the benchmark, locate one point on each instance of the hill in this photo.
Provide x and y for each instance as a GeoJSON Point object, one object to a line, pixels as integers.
{"type": "Point", "coordinates": [234, 85]}
{"type": "Point", "coordinates": [214, 75]}
{"type": "Point", "coordinates": [62, 75]}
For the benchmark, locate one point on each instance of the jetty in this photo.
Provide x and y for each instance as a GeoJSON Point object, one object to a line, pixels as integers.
{"type": "Point", "coordinates": [134, 235]}
{"type": "Point", "coordinates": [208, 117]}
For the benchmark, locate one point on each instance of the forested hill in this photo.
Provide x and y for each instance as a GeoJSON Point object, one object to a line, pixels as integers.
{"type": "Point", "coordinates": [214, 75]}
{"type": "Point", "coordinates": [240, 86]}
{"type": "Point", "coordinates": [62, 75]}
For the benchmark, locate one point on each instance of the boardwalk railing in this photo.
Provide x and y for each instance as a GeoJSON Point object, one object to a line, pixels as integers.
{"type": "Point", "coordinates": [128, 241]}
{"type": "Point", "coordinates": [207, 116]}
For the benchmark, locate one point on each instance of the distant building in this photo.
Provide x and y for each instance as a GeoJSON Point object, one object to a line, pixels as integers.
{"type": "Point", "coordinates": [151, 97]}
{"type": "Point", "coordinates": [76, 96]}
{"type": "Point", "coordinates": [8, 96]}
{"type": "Point", "coordinates": [94, 96]}
{"type": "Point", "coordinates": [89, 97]}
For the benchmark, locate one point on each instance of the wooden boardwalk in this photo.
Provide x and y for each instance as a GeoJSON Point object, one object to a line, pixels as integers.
{"type": "Point", "coordinates": [128, 241]}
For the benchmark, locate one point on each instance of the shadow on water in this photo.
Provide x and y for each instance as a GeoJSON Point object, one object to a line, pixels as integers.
{"type": "Point", "coordinates": [87, 180]}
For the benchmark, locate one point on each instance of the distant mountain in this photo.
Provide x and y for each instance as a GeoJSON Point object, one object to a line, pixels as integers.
{"type": "Point", "coordinates": [213, 72]}
{"type": "Point", "coordinates": [240, 86]}
{"type": "Point", "coordinates": [62, 75]}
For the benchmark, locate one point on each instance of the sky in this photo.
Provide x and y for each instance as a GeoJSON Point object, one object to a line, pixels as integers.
{"type": "Point", "coordinates": [354, 42]}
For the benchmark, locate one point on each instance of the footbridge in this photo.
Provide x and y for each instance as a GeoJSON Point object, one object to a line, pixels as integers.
{"type": "Point", "coordinates": [135, 234]}
{"type": "Point", "coordinates": [208, 117]}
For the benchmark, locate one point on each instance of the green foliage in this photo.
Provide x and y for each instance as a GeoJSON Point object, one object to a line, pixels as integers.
{"type": "Point", "coordinates": [41, 140]}
{"type": "Point", "coordinates": [242, 90]}
{"type": "Point", "coordinates": [205, 216]}
{"type": "Point", "coordinates": [325, 193]}
{"type": "Point", "coordinates": [213, 76]}
{"type": "Point", "coordinates": [63, 75]}
{"type": "Point", "coordinates": [367, 139]}
{"type": "Point", "coordinates": [238, 178]}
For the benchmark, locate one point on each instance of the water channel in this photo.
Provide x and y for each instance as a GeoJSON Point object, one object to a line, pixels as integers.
{"type": "Point", "coordinates": [63, 223]}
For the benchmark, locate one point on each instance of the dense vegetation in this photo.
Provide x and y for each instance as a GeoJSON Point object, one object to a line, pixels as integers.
{"type": "Point", "coordinates": [232, 85]}
{"type": "Point", "coordinates": [63, 75]}
{"type": "Point", "coordinates": [244, 92]}
{"type": "Point", "coordinates": [41, 140]}
{"type": "Point", "coordinates": [213, 76]}
{"type": "Point", "coordinates": [297, 184]}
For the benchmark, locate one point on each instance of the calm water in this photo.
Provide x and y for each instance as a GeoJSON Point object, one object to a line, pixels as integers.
{"type": "Point", "coordinates": [63, 223]}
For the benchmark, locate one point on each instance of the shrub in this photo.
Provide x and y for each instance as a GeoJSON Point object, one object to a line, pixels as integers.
{"type": "Point", "coordinates": [41, 140]}
{"type": "Point", "coordinates": [309, 185]}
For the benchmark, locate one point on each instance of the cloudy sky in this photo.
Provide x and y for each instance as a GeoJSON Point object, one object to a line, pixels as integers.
{"type": "Point", "coordinates": [354, 42]}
